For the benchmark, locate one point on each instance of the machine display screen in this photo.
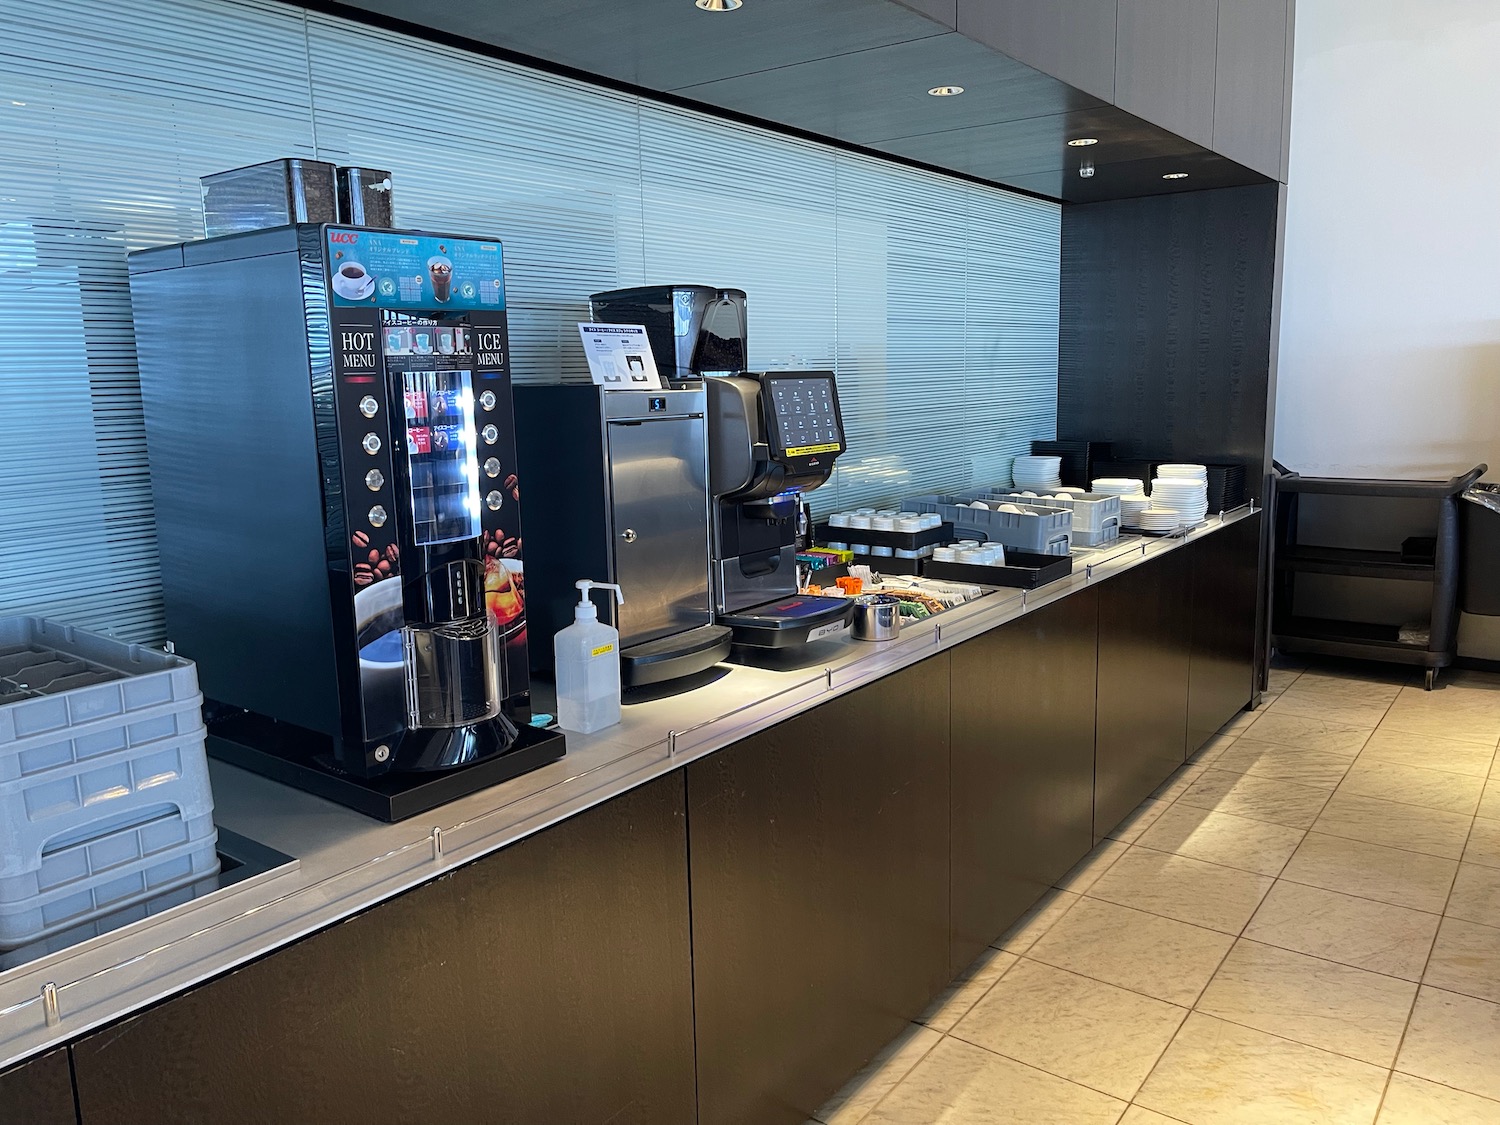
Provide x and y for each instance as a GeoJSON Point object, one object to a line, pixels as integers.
{"type": "Point", "coordinates": [803, 414]}
{"type": "Point", "coordinates": [441, 458]}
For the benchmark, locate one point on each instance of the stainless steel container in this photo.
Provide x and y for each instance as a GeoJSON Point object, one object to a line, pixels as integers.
{"type": "Point", "coordinates": [877, 617]}
{"type": "Point", "coordinates": [272, 194]}
{"type": "Point", "coordinates": [365, 197]}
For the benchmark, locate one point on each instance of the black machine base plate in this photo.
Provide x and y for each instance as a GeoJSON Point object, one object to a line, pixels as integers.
{"type": "Point", "coordinates": [790, 622]}
{"type": "Point", "coordinates": [670, 658]}
{"type": "Point", "coordinates": [291, 755]}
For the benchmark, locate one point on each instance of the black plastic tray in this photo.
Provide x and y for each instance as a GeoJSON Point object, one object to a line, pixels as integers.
{"type": "Point", "coordinates": [1022, 569]}
{"type": "Point", "coordinates": [896, 540]}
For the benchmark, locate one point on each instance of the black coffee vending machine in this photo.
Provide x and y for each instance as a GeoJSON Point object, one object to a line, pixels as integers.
{"type": "Point", "coordinates": [332, 448]}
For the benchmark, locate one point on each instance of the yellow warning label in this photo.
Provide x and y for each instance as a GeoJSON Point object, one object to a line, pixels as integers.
{"type": "Point", "coordinates": [808, 450]}
{"type": "Point", "coordinates": [602, 649]}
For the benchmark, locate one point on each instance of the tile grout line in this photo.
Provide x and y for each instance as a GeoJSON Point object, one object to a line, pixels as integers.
{"type": "Point", "coordinates": [1426, 965]}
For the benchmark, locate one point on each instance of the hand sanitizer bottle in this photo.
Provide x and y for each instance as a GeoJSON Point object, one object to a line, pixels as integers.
{"type": "Point", "coordinates": [587, 658]}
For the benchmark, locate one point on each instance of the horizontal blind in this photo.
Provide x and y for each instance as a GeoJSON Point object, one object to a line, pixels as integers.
{"type": "Point", "coordinates": [934, 299]}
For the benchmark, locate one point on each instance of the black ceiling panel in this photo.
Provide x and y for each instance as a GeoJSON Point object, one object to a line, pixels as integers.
{"type": "Point", "coordinates": [665, 44]}
{"type": "Point", "coordinates": [854, 71]}
{"type": "Point", "coordinates": [873, 95]}
{"type": "Point", "coordinates": [1040, 144]}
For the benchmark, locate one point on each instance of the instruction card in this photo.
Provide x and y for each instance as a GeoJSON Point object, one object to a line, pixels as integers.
{"type": "Point", "coordinates": [620, 357]}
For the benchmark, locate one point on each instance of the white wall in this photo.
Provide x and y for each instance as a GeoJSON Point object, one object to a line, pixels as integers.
{"type": "Point", "coordinates": [1390, 332]}
{"type": "Point", "coordinates": [1390, 329]}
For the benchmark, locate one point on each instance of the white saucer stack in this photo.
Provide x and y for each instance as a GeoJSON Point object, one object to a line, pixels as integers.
{"type": "Point", "coordinates": [1181, 490]}
{"type": "Point", "coordinates": [1036, 472]}
{"type": "Point", "coordinates": [1120, 486]}
{"type": "Point", "coordinates": [1131, 508]}
{"type": "Point", "coordinates": [1158, 520]}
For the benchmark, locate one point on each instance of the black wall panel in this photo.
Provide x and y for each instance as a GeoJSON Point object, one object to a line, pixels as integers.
{"type": "Point", "coordinates": [1166, 316]}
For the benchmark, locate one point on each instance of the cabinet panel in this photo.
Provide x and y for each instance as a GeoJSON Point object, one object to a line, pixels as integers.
{"type": "Point", "coordinates": [1250, 83]}
{"type": "Point", "coordinates": [820, 895]}
{"type": "Point", "coordinates": [39, 1092]}
{"type": "Point", "coordinates": [1164, 64]}
{"type": "Point", "coordinates": [1225, 578]}
{"type": "Point", "coordinates": [548, 982]}
{"type": "Point", "coordinates": [1069, 39]}
{"type": "Point", "coordinates": [1145, 631]}
{"type": "Point", "coordinates": [1023, 765]}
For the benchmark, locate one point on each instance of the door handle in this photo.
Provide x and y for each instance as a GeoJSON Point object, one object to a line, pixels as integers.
{"type": "Point", "coordinates": [629, 535]}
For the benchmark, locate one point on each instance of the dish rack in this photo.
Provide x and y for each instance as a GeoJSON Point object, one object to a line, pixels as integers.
{"type": "Point", "coordinates": [1096, 516]}
{"type": "Point", "coordinates": [104, 790]}
{"type": "Point", "coordinates": [1040, 529]}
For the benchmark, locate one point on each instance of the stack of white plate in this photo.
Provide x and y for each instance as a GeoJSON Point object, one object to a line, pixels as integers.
{"type": "Point", "coordinates": [1159, 520]}
{"type": "Point", "coordinates": [1120, 486]}
{"type": "Point", "coordinates": [1131, 507]}
{"type": "Point", "coordinates": [1037, 472]}
{"type": "Point", "coordinates": [1182, 489]}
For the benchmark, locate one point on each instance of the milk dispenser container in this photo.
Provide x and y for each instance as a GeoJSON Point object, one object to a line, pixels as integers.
{"type": "Point", "coordinates": [332, 449]}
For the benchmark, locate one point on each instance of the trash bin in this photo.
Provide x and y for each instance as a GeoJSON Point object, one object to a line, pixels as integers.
{"type": "Point", "coordinates": [1479, 585]}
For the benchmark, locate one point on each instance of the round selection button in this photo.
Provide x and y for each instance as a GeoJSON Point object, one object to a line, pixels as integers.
{"type": "Point", "coordinates": [490, 434]}
{"type": "Point", "coordinates": [493, 501]}
{"type": "Point", "coordinates": [378, 516]}
{"type": "Point", "coordinates": [488, 400]}
{"type": "Point", "coordinates": [374, 479]}
{"type": "Point", "coordinates": [371, 444]}
{"type": "Point", "coordinates": [368, 406]}
{"type": "Point", "coordinates": [492, 467]}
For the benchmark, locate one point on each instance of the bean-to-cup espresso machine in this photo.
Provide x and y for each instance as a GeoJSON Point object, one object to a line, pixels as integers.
{"type": "Point", "coordinates": [772, 438]}
{"type": "Point", "coordinates": [331, 440]}
{"type": "Point", "coordinates": [618, 486]}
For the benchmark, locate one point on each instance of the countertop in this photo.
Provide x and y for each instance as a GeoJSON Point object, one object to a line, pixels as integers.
{"type": "Point", "coordinates": [349, 862]}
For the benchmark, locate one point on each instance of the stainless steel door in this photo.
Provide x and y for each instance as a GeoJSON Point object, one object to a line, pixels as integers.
{"type": "Point", "coordinates": [659, 499]}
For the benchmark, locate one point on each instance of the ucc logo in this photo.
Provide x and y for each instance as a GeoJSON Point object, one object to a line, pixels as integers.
{"type": "Point", "coordinates": [343, 236]}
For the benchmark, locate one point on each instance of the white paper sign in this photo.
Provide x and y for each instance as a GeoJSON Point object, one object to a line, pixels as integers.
{"type": "Point", "coordinates": [620, 357]}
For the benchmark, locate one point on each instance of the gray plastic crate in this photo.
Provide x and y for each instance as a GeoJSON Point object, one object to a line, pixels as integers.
{"type": "Point", "coordinates": [97, 738]}
{"type": "Point", "coordinates": [1099, 538]}
{"type": "Point", "coordinates": [1041, 530]}
{"type": "Point", "coordinates": [1093, 512]}
{"type": "Point", "coordinates": [54, 678]}
{"type": "Point", "coordinates": [80, 878]}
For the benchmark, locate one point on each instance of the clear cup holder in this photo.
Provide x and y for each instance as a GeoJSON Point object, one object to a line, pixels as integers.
{"type": "Point", "coordinates": [452, 673]}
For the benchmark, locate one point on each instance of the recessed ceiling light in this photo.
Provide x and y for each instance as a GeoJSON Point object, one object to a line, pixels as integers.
{"type": "Point", "coordinates": [718, 5]}
{"type": "Point", "coordinates": [1175, 176]}
{"type": "Point", "coordinates": [946, 91]}
{"type": "Point", "coordinates": [1083, 142]}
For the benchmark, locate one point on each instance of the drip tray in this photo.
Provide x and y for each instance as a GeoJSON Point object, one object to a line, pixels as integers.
{"type": "Point", "coordinates": [242, 864]}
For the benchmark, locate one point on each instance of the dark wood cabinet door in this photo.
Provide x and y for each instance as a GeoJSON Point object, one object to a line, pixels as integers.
{"type": "Point", "coordinates": [1225, 579]}
{"type": "Point", "coordinates": [819, 856]}
{"type": "Point", "coordinates": [1250, 85]}
{"type": "Point", "coordinates": [1023, 765]}
{"type": "Point", "coordinates": [549, 983]}
{"type": "Point", "coordinates": [1073, 40]}
{"type": "Point", "coordinates": [39, 1092]}
{"type": "Point", "coordinates": [1164, 64]}
{"type": "Point", "coordinates": [1145, 635]}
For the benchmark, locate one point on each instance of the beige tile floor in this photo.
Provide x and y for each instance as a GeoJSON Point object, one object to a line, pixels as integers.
{"type": "Point", "coordinates": [1301, 926]}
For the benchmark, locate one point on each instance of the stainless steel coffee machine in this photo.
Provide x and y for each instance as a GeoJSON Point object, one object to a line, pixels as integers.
{"type": "Point", "coordinates": [617, 490]}
{"type": "Point", "coordinates": [772, 438]}
{"type": "Point", "coordinates": [330, 433]}
{"type": "Point", "coordinates": [618, 486]}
